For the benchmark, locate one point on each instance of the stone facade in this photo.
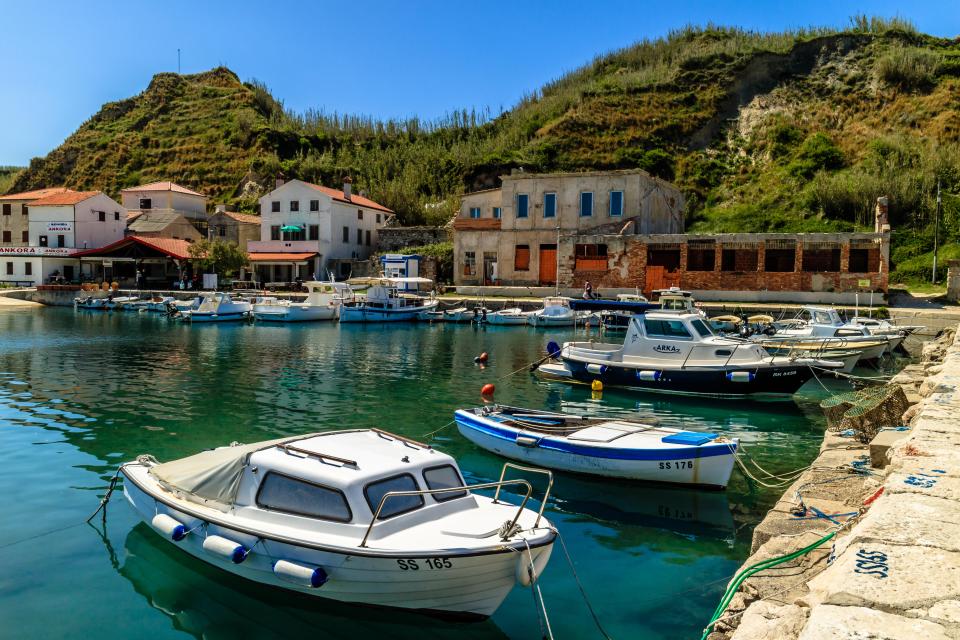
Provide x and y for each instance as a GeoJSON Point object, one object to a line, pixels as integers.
{"type": "Point", "coordinates": [394, 239]}
{"type": "Point", "coordinates": [510, 235]}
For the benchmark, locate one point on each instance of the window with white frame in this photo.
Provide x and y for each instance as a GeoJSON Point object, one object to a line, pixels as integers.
{"type": "Point", "coordinates": [497, 212]}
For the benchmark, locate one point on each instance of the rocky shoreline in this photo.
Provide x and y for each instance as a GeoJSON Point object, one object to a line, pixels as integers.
{"type": "Point", "coordinates": [891, 489]}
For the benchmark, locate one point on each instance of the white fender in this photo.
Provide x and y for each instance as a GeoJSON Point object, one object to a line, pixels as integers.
{"type": "Point", "coordinates": [305, 576]}
{"type": "Point", "coordinates": [170, 527]}
{"type": "Point", "coordinates": [540, 558]}
{"type": "Point", "coordinates": [225, 548]}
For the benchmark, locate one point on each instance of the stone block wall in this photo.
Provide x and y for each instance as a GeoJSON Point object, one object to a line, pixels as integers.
{"type": "Point", "coordinates": [393, 239]}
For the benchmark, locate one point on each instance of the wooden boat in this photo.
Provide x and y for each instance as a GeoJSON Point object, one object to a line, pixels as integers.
{"type": "Point", "coordinates": [676, 352]}
{"type": "Point", "coordinates": [388, 300]}
{"type": "Point", "coordinates": [360, 516]}
{"type": "Point", "coordinates": [600, 446]}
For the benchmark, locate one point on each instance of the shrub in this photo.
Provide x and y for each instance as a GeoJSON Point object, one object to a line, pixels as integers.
{"type": "Point", "coordinates": [908, 68]}
{"type": "Point", "coordinates": [818, 152]}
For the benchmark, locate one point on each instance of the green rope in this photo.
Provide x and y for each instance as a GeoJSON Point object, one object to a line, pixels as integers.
{"type": "Point", "coordinates": [752, 569]}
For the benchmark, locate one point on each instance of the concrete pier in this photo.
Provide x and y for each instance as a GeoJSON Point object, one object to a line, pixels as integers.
{"type": "Point", "coordinates": [894, 572]}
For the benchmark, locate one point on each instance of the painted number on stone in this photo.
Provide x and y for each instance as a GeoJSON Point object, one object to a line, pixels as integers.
{"type": "Point", "coordinates": [922, 481]}
{"type": "Point", "coordinates": [678, 464]}
{"type": "Point", "coordinates": [872, 563]}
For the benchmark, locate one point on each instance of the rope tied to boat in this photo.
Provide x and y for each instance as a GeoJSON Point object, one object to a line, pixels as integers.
{"type": "Point", "coordinates": [508, 529]}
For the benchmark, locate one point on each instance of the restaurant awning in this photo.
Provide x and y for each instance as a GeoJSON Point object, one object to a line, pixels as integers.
{"type": "Point", "coordinates": [266, 258]}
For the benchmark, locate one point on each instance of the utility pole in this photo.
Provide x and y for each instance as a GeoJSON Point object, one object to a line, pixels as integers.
{"type": "Point", "coordinates": [936, 233]}
{"type": "Point", "coordinates": [178, 60]}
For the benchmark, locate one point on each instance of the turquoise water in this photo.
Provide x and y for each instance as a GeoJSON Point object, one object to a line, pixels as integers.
{"type": "Point", "coordinates": [81, 392]}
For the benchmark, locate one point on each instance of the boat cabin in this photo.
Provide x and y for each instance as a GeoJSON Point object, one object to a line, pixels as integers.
{"type": "Point", "coordinates": [681, 339]}
{"type": "Point", "coordinates": [826, 322]}
{"type": "Point", "coordinates": [314, 482]}
{"type": "Point", "coordinates": [324, 293]}
{"type": "Point", "coordinates": [676, 299]}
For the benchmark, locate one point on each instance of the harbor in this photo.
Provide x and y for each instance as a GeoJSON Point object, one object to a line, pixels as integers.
{"type": "Point", "coordinates": [152, 393]}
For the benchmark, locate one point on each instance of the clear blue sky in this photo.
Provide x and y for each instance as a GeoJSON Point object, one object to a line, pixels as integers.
{"type": "Point", "coordinates": [61, 59]}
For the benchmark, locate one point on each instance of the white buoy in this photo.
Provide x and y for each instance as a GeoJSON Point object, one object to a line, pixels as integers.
{"type": "Point", "coordinates": [597, 369]}
{"type": "Point", "coordinates": [305, 576]}
{"type": "Point", "coordinates": [225, 548]}
{"type": "Point", "coordinates": [170, 527]}
{"type": "Point", "coordinates": [740, 376]}
{"type": "Point", "coordinates": [648, 376]}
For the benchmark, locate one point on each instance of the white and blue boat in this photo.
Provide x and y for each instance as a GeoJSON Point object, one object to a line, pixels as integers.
{"type": "Point", "coordinates": [671, 352]}
{"type": "Point", "coordinates": [216, 306]}
{"type": "Point", "coordinates": [612, 448]}
{"type": "Point", "coordinates": [389, 300]}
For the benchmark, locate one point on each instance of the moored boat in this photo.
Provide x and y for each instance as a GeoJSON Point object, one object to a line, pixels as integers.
{"type": "Point", "coordinates": [511, 316]}
{"type": "Point", "coordinates": [216, 306]}
{"type": "Point", "coordinates": [611, 448]}
{"type": "Point", "coordinates": [322, 303]}
{"type": "Point", "coordinates": [389, 300]}
{"type": "Point", "coordinates": [556, 312]}
{"type": "Point", "coordinates": [671, 352]}
{"type": "Point", "coordinates": [360, 516]}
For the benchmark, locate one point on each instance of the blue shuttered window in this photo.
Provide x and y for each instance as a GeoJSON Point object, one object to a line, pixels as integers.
{"type": "Point", "coordinates": [523, 205]}
{"type": "Point", "coordinates": [549, 205]}
{"type": "Point", "coordinates": [586, 204]}
{"type": "Point", "coordinates": [616, 203]}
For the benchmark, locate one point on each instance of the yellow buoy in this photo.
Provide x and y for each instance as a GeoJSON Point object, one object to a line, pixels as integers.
{"type": "Point", "coordinates": [596, 385]}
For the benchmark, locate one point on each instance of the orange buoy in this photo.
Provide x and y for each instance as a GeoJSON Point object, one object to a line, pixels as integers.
{"type": "Point", "coordinates": [487, 390]}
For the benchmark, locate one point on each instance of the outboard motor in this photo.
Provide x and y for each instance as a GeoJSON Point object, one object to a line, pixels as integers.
{"type": "Point", "coordinates": [769, 330]}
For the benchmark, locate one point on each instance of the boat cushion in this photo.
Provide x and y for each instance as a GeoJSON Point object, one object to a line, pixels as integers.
{"type": "Point", "coordinates": [692, 438]}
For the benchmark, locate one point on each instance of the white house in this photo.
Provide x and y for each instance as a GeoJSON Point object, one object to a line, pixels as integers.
{"type": "Point", "coordinates": [167, 197]}
{"type": "Point", "coordinates": [59, 226]}
{"type": "Point", "coordinates": [306, 230]}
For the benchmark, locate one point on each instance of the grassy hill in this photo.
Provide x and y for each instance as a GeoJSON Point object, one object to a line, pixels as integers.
{"type": "Point", "coordinates": [764, 132]}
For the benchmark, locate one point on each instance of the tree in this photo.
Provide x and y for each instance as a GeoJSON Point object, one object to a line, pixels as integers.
{"type": "Point", "coordinates": [221, 257]}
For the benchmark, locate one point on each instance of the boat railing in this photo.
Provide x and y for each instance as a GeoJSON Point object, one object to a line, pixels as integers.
{"type": "Point", "coordinates": [468, 487]}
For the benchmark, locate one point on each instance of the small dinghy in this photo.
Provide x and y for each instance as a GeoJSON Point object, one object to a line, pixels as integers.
{"type": "Point", "coordinates": [360, 516]}
{"type": "Point", "coordinates": [511, 316]}
{"type": "Point", "coordinates": [601, 447]}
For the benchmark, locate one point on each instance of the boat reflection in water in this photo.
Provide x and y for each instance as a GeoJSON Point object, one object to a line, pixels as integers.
{"type": "Point", "coordinates": [206, 602]}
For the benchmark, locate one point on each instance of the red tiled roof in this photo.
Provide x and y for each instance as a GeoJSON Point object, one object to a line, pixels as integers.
{"type": "Point", "coordinates": [280, 257]}
{"type": "Point", "coordinates": [34, 195]}
{"type": "Point", "coordinates": [177, 249]}
{"type": "Point", "coordinates": [164, 186]}
{"type": "Point", "coordinates": [242, 217]}
{"type": "Point", "coordinates": [338, 195]}
{"type": "Point", "coordinates": [64, 198]}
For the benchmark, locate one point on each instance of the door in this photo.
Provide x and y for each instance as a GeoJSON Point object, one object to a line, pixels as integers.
{"type": "Point", "coordinates": [489, 267]}
{"type": "Point", "coordinates": [68, 273]}
{"type": "Point", "coordinates": [658, 277]}
{"type": "Point", "coordinates": [548, 264]}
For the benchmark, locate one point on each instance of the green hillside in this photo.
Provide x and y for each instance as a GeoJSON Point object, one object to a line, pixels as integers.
{"type": "Point", "coordinates": [764, 132]}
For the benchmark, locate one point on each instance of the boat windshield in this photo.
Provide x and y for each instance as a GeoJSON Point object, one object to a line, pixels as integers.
{"type": "Point", "coordinates": [701, 328]}
{"type": "Point", "coordinates": [444, 477]}
{"type": "Point", "coordinates": [666, 328]}
{"type": "Point", "coordinates": [822, 317]}
{"type": "Point", "coordinates": [396, 505]}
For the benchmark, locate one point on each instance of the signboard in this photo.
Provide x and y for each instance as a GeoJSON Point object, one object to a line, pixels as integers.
{"type": "Point", "coordinates": [865, 283]}
{"type": "Point", "coordinates": [57, 252]}
{"type": "Point", "coordinates": [59, 227]}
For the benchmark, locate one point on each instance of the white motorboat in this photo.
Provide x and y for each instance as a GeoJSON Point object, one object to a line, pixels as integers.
{"type": "Point", "coordinates": [600, 446]}
{"type": "Point", "coordinates": [825, 322]}
{"type": "Point", "coordinates": [158, 304]}
{"type": "Point", "coordinates": [460, 314]}
{"type": "Point", "coordinates": [513, 315]}
{"type": "Point", "coordinates": [359, 516]}
{"type": "Point", "coordinates": [90, 302]}
{"type": "Point", "coordinates": [217, 306]}
{"type": "Point", "coordinates": [322, 303]}
{"type": "Point", "coordinates": [880, 327]}
{"type": "Point", "coordinates": [670, 352]}
{"type": "Point", "coordinates": [388, 300]}
{"type": "Point", "coordinates": [556, 312]}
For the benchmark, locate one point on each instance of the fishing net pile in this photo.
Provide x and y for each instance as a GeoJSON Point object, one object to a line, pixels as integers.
{"type": "Point", "coordinates": [866, 411]}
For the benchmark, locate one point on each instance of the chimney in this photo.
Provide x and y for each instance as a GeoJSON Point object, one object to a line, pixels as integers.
{"type": "Point", "coordinates": [882, 215]}
{"type": "Point", "coordinates": [279, 181]}
{"type": "Point", "coordinates": [220, 208]}
{"type": "Point", "coordinates": [347, 185]}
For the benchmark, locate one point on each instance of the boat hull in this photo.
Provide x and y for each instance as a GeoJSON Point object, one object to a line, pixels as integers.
{"type": "Point", "coordinates": [294, 313]}
{"type": "Point", "coordinates": [714, 382]}
{"type": "Point", "coordinates": [194, 316]}
{"type": "Point", "coordinates": [362, 313]}
{"type": "Point", "coordinates": [444, 583]}
{"type": "Point", "coordinates": [509, 319]}
{"type": "Point", "coordinates": [706, 466]}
